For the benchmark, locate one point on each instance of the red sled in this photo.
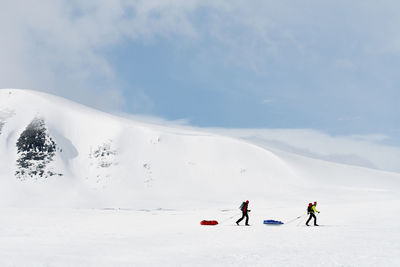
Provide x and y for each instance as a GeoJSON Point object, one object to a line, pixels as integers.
{"type": "Point", "coordinates": [204, 222]}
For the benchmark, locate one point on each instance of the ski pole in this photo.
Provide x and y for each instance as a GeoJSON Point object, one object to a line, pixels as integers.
{"type": "Point", "coordinates": [230, 218]}
{"type": "Point", "coordinates": [300, 222]}
{"type": "Point", "coordinates": [298, 217]}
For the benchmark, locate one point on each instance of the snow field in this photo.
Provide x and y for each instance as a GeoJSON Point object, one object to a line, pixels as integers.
{"type": "Point", "coordinates": [133, 194]}
{"type": "Point", "coordinates": [349, 235]}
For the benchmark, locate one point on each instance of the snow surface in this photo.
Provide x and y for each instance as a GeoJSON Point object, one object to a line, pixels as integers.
{"type": "Point", "coordinates": [133, 194]}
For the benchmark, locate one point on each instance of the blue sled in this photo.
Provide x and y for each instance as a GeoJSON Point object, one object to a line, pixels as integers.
{"type": "Point", "coordinates": [272, 222]}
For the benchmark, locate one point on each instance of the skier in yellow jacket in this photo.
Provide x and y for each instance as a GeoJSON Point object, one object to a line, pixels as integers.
{"type": "Point", "coordinates": [312, 210]}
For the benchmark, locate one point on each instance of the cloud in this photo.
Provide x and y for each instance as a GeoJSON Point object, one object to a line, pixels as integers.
{"type": "Point", "coordinates": [73, 33]}
{"type": "Point", "coordinates": [61, 46]}
{"type": "Point", "coordinates": [268, 100]}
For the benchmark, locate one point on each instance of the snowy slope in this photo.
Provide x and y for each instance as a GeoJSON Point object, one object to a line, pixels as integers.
{"type": "Point", "coordinates": [106, 160]}
{"type": "Point", "coordinates": [118, 192]}
{"type": "Point", "coordinates": [133, 162]}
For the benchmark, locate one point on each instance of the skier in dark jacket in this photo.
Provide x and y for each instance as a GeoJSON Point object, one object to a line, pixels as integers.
{"type": "Point", "coordinates": [245, 210]}
{"type": "Point", "coordinates": [312, 210]}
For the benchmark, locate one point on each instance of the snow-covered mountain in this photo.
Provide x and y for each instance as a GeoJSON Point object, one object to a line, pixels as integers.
{"type": "Point", "coordinates": [54, 151]}
{"type": "Point", "coordinates": [79, 187]}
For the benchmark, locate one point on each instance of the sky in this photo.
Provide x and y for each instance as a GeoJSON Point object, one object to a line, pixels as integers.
{"type": "Point", "coordinates": [329, 66]}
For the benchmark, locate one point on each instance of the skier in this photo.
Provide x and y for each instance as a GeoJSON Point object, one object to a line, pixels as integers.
{"type": "Point", "coordinates": [245, 211]}
{"type": "Point", "coordinates": [312, 210]}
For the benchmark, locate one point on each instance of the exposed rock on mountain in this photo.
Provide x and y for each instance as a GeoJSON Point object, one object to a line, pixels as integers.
{"type": "Point", "coordinates": [36, 150]}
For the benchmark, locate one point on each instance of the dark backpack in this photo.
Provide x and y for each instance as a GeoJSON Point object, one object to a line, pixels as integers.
{"type": "Point", "coordinates": [309, 209]}
{"type": "Point", "coordinates": [242, 206]}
